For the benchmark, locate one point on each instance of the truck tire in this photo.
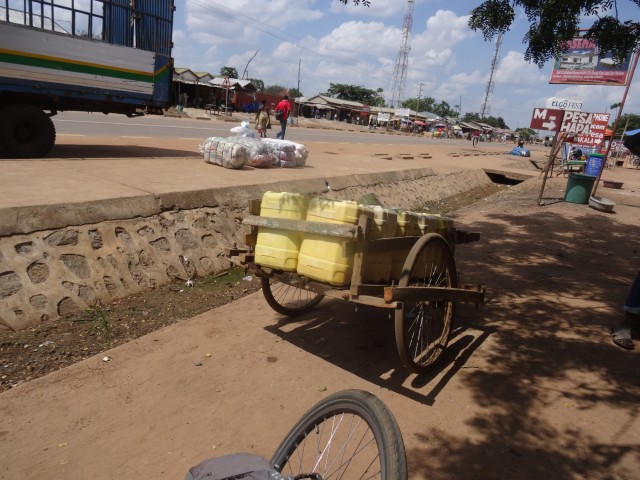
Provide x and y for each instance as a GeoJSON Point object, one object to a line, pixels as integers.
{"type": "Point", "coordinates": [25, 131]}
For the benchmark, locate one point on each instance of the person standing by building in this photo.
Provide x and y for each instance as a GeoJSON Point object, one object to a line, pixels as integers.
{"type": "Point", "coordinates": [283, 109]}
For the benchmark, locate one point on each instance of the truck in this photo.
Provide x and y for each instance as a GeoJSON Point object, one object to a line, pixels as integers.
{"type": "Point", "coordinates": [109, 56]}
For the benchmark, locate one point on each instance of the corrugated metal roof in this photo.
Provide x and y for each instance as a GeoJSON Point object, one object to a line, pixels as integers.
{"type": "Point", "coordinates": [336, 102]}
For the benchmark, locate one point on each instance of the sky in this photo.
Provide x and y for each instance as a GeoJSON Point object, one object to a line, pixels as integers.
{"type": "Point", "coordinates": [312, 43]}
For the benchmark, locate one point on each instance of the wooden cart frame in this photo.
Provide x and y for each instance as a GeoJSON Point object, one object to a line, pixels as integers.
{"type": "Point", "coordinates": [423, 299]}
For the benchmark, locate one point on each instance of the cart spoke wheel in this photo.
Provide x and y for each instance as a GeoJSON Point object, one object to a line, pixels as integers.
{"type": "Point", "coordinates": [287, 299]}
{"type": "Point", "coordinates": [423, 328]}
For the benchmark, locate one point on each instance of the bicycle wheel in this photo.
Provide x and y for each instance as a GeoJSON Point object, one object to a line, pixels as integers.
{"type": "Point", "coordinates": [422, 328]}
{"type": "Point", "coordinates": [287, 299]}
{"type": "Point", "coordinates": [350, 434]}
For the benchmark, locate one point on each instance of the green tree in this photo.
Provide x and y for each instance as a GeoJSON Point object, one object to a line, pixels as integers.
{"type": "Point", "coordinates": [554, 22]}
{"type": "Point", "coordinates": [525, 133]}
{"type": "Point", "coordinates": [443, 109]}
{"type": "Point", "coordinates": [379, 98]}
{"type": "Point", "coordinates": [629, 120]}
{"type": "Point", "coordinates": [427, 104]}
{"type": "Point", "coordinates": [259, 84]}
{"type": "Point", "coordinates": [493, 121]}
{"type": "Point", "coordinates": [276, 90]}
{"type": "Point", "coordinates": [295, 93]}
{"type": "Point", "coordinates": [354, 93]}
{"type": "Point", "coordinates": [229, 72]}
{"type": "Point", "coordinates": [471, 117]}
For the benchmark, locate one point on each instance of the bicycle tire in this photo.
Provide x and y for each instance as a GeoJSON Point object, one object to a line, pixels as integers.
{"type": "Point", "coordinates": [422, 329]}
{"type": "Point", "coordinates": [287, 299]}
{"type": "Point", "coordinates": [347, 422]}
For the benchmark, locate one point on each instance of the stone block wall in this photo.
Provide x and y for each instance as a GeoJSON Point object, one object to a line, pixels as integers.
{"type": "Point", "coordinates": [50, 274]}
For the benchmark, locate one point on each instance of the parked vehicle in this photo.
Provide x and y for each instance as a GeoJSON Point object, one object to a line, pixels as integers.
{"type": "Point", "coordinates": [109, 56]}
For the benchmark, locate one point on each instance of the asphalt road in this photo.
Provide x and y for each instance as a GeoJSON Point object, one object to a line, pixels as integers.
{"type": "Point", "coordinates": [77, 124]}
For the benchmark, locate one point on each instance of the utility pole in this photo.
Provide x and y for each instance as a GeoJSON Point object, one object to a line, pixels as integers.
{"type": "Point", "coordinates": [419, 94]}
{"type": "Point", "coordinates": [298, 110]}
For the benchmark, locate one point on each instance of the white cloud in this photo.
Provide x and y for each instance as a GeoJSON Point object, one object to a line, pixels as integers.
{"type": "Point", "coordinates": [513, 69]}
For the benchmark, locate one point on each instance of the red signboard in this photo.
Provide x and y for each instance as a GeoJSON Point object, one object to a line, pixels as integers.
{"type": "Point", "coordinates": [586, 128]}
{"type": "Point", "coordinates": [546, 119]}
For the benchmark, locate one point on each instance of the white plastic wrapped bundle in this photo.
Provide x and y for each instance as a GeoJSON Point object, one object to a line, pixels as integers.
{"type": "Point", "coordinates": [300, 151]}
{"type": "Point", "coordinates": [262, 161]}
{"type": "Point", "coordinates": [258, 153]}
{"type": "Point", "coordinates": [223, 152]}
{"type": "Point", "coordinates": [243, 130]}
{"type": "Point", "coordinates": [285, 159]}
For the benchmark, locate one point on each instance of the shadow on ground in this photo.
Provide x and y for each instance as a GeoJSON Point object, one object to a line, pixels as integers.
{"type": "Point", "coordinates": [555, 285]}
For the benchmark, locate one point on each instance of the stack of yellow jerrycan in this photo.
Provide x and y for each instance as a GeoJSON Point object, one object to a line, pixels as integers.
{"type": "Point", "coordinates": [377, 268]}
{"type": "Point", "coordinates": [325, 258]}
{"type": "Point", "coordinates": [430, 223]}
{"type": "Point", "coordinates": [407, 226]}
{"type": "Point", "coordinates": [276, 248]}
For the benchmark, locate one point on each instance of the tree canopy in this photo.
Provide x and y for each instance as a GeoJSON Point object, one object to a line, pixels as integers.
{"type": "Point", "coordinates": [259, 84]}
{"type": "Point", "coordinates": [628, 121]}
{"type": "Point", "coordinates": [429, 104]}
{"type": "Point", "coordinates": [554, 22]}
{"type": "Point", "coordinates": [230, 72]}
{"type": "Point", "coordinates": [276, 90]}
{"type": "Point", "coordinates": [355, 93]}
{"type": "Point", "coordinates": [493, 121]}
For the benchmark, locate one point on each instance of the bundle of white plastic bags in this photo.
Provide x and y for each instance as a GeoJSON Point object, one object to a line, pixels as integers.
{"type": "Point", "coordinates": [244, 149]}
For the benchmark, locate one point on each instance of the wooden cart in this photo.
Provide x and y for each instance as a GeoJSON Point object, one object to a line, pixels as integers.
{"type": "Point", "coordinates": [423, 299]}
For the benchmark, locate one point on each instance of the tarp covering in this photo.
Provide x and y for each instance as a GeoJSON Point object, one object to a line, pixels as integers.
{"type": "Point", "coordinates": [632, 141]}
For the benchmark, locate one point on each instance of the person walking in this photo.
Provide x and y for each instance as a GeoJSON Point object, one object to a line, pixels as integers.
{"type": "Point", "coordinates": [475, 137]}
{"type": "Point", "coordinates": [282, 114]}
{"type": "Point", "coordinates": [262, 119]}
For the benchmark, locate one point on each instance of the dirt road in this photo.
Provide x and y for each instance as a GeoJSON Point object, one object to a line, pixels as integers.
{"type": "Point", "coordinates": [530, 385]}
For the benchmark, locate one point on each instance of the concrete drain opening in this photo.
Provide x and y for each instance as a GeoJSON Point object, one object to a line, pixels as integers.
{"type": "Point", "coordinates": [499, 181]}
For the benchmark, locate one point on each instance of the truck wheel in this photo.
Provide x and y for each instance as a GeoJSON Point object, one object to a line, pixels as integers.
{"type": "Point", "coordinates": [26, 131]}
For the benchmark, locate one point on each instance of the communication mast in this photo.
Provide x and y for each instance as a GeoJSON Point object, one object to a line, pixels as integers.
{"type": "Point", "coordinates": [485, 109]}
{"type": "Point", "coordinates": [400, 70]}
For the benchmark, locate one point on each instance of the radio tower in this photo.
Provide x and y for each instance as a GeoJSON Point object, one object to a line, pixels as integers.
{"type": "Point", "coordinates": [485, 109]}
{"type": "Point", "coordinates": [400, 70]}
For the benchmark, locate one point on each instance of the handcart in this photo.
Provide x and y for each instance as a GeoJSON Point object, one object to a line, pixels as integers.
{"type": "Point", "coordinates": [423, 299]}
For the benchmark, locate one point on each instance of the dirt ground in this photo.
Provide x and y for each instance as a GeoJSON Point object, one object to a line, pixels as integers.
{"type": "Point", "coordinates": [530, 385]}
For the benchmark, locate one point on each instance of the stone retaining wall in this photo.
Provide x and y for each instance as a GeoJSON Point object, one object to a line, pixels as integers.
{"type": "Point", "coordinates": [52, 273]}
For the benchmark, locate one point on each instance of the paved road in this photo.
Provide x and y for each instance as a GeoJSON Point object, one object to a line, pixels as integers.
{"type": "Point", "coordinates": [110, 167]}
{"type": "Point", "coordinates": [76, 124]}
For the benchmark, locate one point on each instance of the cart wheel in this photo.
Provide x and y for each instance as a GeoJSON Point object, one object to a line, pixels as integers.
{"type": "Point", "coordinates": [287, 299]}
{"type": "Point", "coordinates": [423, 328]}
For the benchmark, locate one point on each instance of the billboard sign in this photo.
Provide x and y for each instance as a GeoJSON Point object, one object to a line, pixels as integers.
{"type": "Point", "coordinates": [546, 119]}
{"type": "Point", "coordinates": [564, 103]}
{"type": "Point", "coordinates": [580, 64]}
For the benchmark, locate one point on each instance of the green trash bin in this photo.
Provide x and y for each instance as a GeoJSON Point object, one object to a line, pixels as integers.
{"type": "Point", "coordinates": [579, 188]}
